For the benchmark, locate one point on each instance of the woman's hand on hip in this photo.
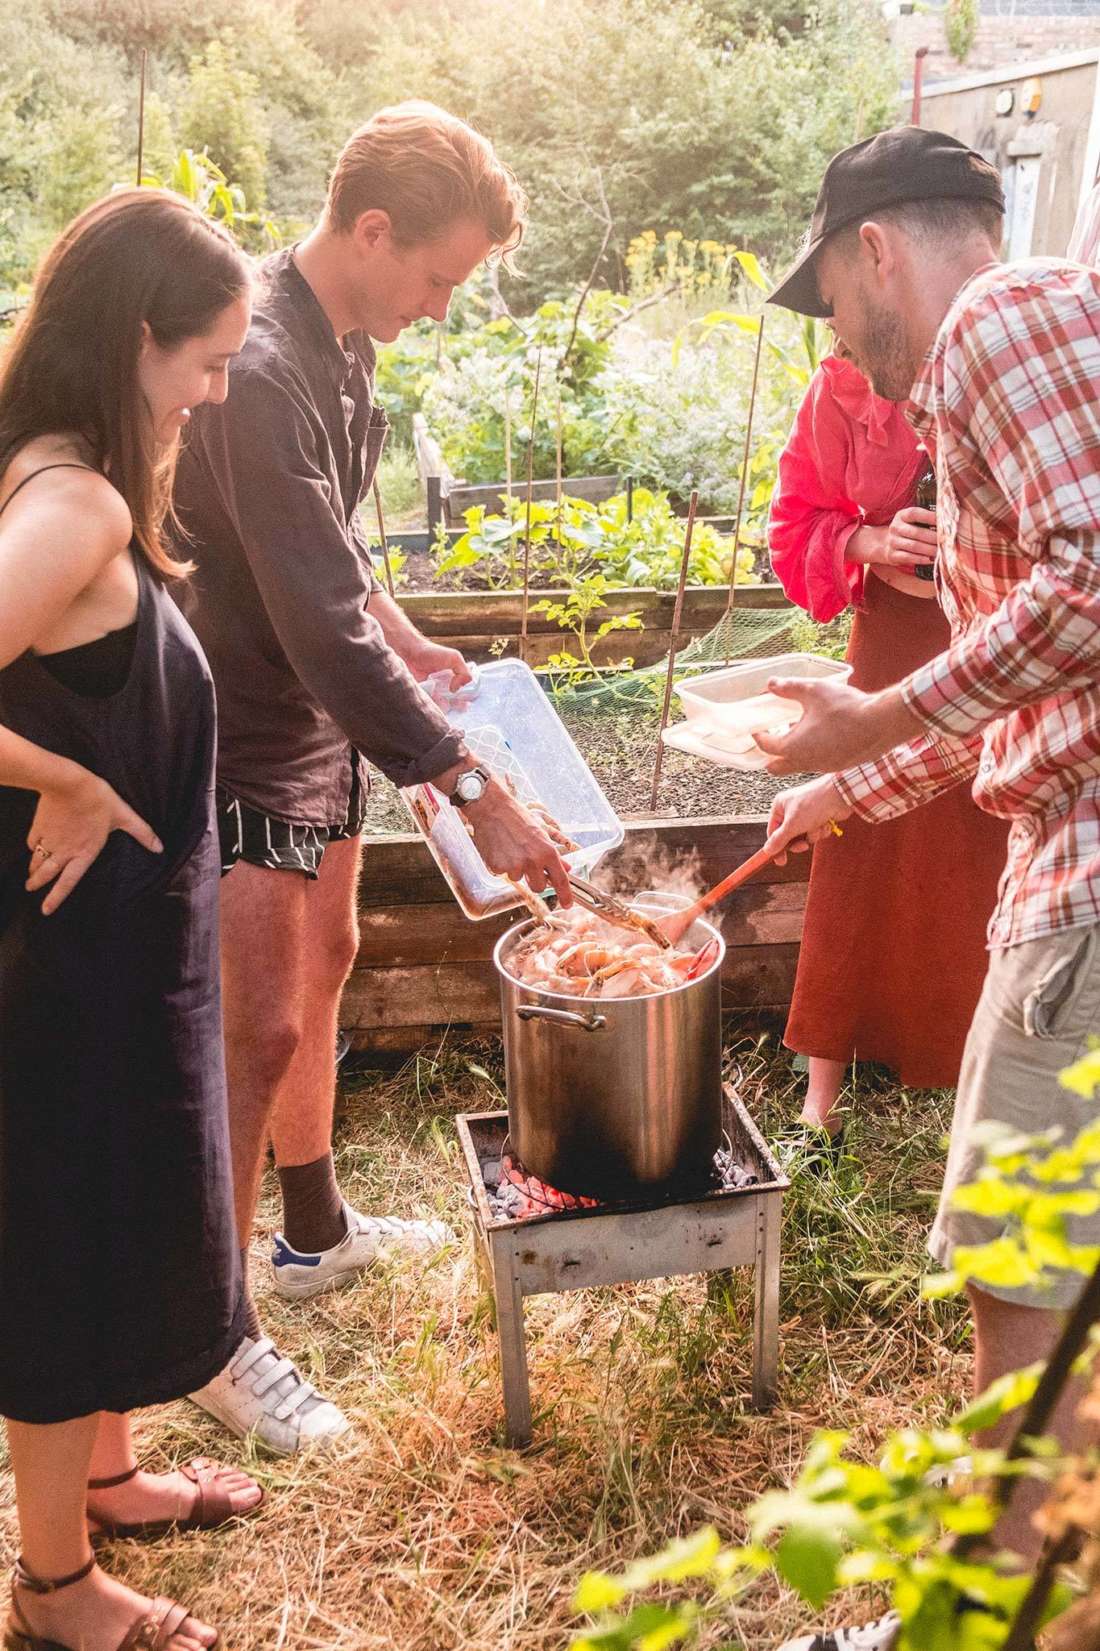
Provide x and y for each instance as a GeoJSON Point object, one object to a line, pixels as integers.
{"type": "Point", "coordinates": [72, 822]}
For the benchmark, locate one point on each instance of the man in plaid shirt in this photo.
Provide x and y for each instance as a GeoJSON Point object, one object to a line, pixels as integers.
{"type": "Point", "coordinates": [1001, 365]}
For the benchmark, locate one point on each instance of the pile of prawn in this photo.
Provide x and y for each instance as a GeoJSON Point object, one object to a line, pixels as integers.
{"type": "Point", "coordinates": [579, 955]}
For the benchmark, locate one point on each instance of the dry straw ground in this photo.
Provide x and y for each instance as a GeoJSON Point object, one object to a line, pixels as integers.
{"type": "Point", "coordinates": [425, 1534]}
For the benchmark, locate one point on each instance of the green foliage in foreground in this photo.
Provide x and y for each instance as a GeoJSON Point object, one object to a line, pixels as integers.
{"type": "Point", "coordinates": [897, 1525]}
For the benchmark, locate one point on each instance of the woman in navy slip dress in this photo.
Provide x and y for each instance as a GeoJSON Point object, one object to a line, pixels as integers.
{"type": "Point", "coordinates": [119, 1272]}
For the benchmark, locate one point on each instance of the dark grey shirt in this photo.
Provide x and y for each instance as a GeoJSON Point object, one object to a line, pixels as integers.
{"type": "Point", "coordinates": [267, 491]}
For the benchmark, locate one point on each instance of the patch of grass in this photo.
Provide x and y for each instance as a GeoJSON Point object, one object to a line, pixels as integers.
{"type": "Point", "coordinates": [423, 1533]}
{"type": "Point", "coordinates": [400, 486]}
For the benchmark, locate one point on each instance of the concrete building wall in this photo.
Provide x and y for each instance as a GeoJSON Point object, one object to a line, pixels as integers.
{"type": "Point", "coordinates": [1049, 159]}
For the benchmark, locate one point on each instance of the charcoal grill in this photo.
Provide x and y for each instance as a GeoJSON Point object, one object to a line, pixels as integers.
{"type": "Point", "coordinates": [731, 1222]}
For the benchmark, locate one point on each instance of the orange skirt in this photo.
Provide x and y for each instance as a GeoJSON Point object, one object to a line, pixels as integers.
{"type": "Point", "coordinates": [893, 947]}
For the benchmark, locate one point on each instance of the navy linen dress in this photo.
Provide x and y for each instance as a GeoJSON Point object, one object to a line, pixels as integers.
{"type": "Point", "coordinates": [119, 1272]}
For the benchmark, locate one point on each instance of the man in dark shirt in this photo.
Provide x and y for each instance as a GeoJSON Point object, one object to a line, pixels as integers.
{"type": "Point", "coordinates": [316, 669]}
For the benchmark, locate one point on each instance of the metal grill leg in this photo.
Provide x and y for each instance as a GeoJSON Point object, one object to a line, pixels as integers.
{"type": "Point", "coordinates": [513, 1350]}
{"type": "Point", "coordinates": [765, 1324]}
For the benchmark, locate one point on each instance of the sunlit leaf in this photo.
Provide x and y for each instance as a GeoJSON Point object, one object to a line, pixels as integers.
{"type": "Point", "coordinates": [751, 267]}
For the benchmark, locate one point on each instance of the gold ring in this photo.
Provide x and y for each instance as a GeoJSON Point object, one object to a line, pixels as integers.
{"type": "Point", "coordinates": [46, 853]}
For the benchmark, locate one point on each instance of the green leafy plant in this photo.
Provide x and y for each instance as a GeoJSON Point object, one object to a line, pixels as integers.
{"type": "Point", "coordinates": [830, 640]}
{"type": "Point", "coordinates": [585, 598]}
{"type": "Point", "coordinates": [202, 181]}
{"type": "Point", "coordinates": [480, 399]}
{"type": "Point", "coordinates": [638, 544]}
{"type": "Point", "coordinates": [223, 115]}
{"type": "Point", "coordinates": [900, 1525]}
{"type": "Point", "coordinates": [960, 26]}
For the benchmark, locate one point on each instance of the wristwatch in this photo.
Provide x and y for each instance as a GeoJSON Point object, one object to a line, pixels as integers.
{"type": "Point", "coordinates": [469, 787]}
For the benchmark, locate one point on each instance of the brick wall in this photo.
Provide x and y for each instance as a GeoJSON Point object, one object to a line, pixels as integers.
{"type": "Point", "coordinates": [1002, 39]}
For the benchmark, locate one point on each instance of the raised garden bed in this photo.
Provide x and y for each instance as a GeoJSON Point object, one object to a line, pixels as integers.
{"type": "Point", "coordinates": [486, 624]}
{"type": "Point", "coordinates": [424, 969]}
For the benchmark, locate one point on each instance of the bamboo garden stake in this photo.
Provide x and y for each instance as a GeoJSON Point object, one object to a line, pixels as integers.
{"type": "Point", "coordinates": [672, 644]}
{"type": "Point", "coordinates": [744, 481]}
{"type": "Point", "coordinates": [508, 449]}
{"type": "Point", "coordinates": [382, 536]}
{"type": "Point", "coordinates": [557, 468]}
{"type": "Point", "coordinates": [141, 118]}
{"type": "Point", "coordinates": [530, 488]}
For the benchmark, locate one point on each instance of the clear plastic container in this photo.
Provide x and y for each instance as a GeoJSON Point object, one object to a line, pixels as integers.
{"type": "Point", "coordinates": [511, 728]}
{"type": "Point", "coordinates": [727, 709]}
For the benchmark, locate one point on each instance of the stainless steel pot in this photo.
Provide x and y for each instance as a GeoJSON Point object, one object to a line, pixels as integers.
{"type": "Point", "coordinates": [609, 1095]}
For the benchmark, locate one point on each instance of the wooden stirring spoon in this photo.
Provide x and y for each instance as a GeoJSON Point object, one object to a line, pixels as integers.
{"type": "Point", "coordinates": [677, 923]}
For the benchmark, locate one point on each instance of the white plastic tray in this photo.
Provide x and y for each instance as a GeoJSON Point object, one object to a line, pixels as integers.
{"type": "Point", "coordinates": [727, 709]}
{"type": "Point", "coordinates": [699, 695]}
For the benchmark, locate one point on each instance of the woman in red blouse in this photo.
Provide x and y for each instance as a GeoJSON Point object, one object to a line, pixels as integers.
{"type": "Point", "coordinates": [893, 944]}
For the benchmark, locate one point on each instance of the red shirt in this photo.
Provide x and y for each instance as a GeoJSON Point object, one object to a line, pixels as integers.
{"type": "Point", "coordinates": [851, 458]}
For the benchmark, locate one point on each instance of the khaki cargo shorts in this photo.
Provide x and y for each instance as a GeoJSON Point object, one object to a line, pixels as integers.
{"type": "Point", "coordinates": [1039, 1005]}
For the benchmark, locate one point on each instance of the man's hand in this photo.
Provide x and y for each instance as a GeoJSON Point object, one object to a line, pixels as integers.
{"type": "Point", "coordinates": [839, 726]}
{"type": "Point", "coordinates": [426, 659]}
{"type": "Point", "coordinates": [423, 657]}
{"type": "Point", "coordinates": [513, 844]}
{"type": "Point", "coordinates": [802, 816]}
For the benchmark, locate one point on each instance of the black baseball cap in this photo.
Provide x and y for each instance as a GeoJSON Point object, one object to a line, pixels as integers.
{"type": "Point", "coordinates": [907, 163]}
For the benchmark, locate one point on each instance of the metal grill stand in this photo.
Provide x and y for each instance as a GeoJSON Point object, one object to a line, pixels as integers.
{"type": "Point", "coordinates": [576, 1249]}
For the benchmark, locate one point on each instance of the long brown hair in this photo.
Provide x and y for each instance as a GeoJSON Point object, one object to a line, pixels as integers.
{"type": "Point", "coordinates": [139, 255]}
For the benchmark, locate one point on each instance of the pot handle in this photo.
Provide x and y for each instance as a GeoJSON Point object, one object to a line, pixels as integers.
{"type": "Point", "coordinates": [561, 1017]}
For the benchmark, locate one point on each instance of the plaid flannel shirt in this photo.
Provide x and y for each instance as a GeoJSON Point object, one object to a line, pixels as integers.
{"type": "Point", "coordinates": [1009, 399]}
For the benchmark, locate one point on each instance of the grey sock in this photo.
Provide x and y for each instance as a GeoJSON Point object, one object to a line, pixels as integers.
{"type": "Point", "coordinates": [313, 1210]}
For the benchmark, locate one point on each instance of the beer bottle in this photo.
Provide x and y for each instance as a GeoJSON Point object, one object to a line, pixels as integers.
{"type": "Point", "coordinates": [925, 497]}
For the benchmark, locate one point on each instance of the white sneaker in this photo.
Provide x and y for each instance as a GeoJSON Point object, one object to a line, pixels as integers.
{"type": "Point", "coordinates": [298, 1276]}
{"type": "Point", "coordinates": [261, 1393]}
{"type": "Point", "coordinates": [879, 1635]}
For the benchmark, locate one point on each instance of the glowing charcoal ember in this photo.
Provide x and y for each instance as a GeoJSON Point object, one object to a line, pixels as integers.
{"type": "Point", "coordinates": [517, 1195]}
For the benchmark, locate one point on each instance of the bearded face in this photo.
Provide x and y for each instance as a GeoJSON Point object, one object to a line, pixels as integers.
{"type": "Point", "coordinates": [871, 329]}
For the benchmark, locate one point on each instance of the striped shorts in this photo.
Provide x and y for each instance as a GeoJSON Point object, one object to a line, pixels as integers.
{"type": "Point", "coordinates": [246, 833]}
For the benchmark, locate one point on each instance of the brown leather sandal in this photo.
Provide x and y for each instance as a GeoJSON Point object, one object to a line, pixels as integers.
{"type": "Point", "coordinates": [150, 1632]}
{"type": "Point", "coordinates": [213, 1506]}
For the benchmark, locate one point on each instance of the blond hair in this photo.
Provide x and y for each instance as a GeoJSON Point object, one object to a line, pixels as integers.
{"type": "Point", "coordinates": [426, 169]}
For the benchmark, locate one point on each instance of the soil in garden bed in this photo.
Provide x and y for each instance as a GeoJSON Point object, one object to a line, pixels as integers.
{"type": "Point", "coordinates": [619, 748]}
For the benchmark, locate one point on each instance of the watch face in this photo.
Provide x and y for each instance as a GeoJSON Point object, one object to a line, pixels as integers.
{"type": "Point", "coordinates": [469, 787]}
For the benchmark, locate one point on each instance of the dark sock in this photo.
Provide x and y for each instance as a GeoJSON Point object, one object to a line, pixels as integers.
{"type": "Point", "coordinates": [251, 1321]}
{"type": "Point", "coordinates": [313, 1210]}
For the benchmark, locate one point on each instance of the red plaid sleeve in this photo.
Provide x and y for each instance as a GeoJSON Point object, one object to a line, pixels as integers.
{"type": "Point", "coordinates": [909, 775]}
{"type": "Point", "coordinates": [1020, 369]}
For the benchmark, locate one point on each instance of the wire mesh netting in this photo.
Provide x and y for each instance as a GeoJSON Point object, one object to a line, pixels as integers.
{"type": "Point", "coordinates": [741, 633]}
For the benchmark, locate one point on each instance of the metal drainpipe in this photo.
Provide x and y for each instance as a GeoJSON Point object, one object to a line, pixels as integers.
{"type": "Point", "coordinates": [918, 76]}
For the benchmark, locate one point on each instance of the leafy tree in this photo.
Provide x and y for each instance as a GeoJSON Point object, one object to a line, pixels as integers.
{"type": "Point", "coordinates": [64, 115]}
{"type": "Point", "coordinates": [727, 145]}
{"type": "Point", "coordinates": [222, 115]}
{"type": "Point", "coordinates": [712, 116]}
